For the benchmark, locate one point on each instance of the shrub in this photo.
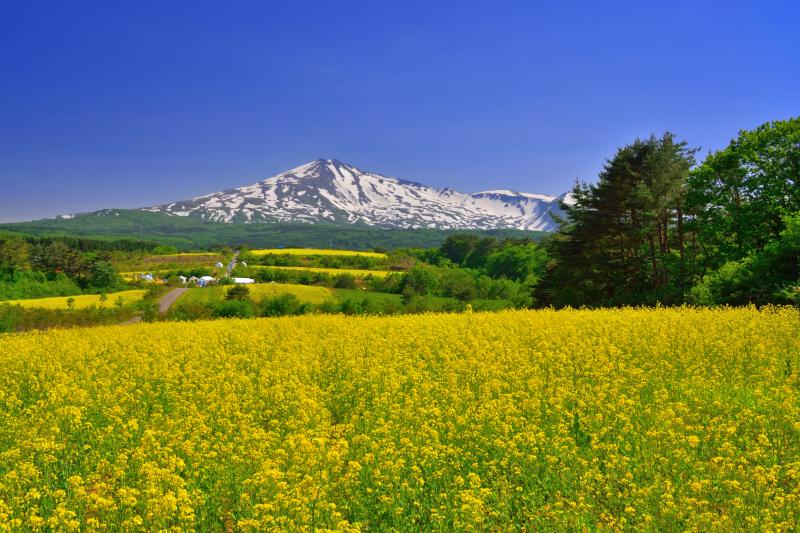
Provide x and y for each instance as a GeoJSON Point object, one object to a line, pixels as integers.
{"type": "Point", "coordinates": [283, 305]}
{"type": "Point", "coordinates": [344, 281]}
{"type": "Point", "coordinates": [238, 292]}
{"type": "Point", "coordinates": [233, 309]}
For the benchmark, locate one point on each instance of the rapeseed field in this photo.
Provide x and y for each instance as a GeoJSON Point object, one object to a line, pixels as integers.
{"type": "Point", "coordinates": [81, 301]}
{"type": "Point", "coordinates": [659, 419]}
{"type": "Point", "coordinates": [259, 291]}
{"type": "Point", "coordinates": [356, 272]}
{"type": "Point", "coordinates": [317, 251]}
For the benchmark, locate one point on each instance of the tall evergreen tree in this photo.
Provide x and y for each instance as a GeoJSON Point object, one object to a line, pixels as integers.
{"type": "Point", "coordinates": [623, 241]}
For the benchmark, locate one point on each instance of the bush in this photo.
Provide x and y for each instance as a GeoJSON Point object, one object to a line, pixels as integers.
{"type": "Point", "coordinates": [344, 281]}
{"type": "Point", "coordinates": [283, 305]}
{"type": "Point", "coordinates": [458, 283]}
{"type": "Point", "coordinates": [420, 280]}
{"type": "Point", "coordinates": [188, 311]}
{"type": "Point", "coordinates": [233, 309]}
{"type": "Point", "coordinates": [150, 311]}
{"type": "Point", "coordinates": [17, 318]}
{"type": "Point", "coordinates": [238, 292]}
{"type": "Point", "coordinates": [25, 285]}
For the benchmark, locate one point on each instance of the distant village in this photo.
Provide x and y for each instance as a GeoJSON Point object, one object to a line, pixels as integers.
{"type": "Point", "coordinates": [202, 281]}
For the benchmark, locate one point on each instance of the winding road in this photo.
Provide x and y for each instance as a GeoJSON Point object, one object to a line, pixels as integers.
{"type": "Point", "coordinates": [172, 296]}
{"type": "Point", "coordinates": [164, 303]}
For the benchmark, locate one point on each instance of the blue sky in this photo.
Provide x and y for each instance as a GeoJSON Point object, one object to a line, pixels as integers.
{"type": "Point", "coordinates": [111, 105]}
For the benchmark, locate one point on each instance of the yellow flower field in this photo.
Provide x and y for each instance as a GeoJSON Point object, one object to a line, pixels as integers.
{"type": "Point", "coordinates": [359, 273]}
{"type": "Point", "coordinates": [316, 251]}
{"type": "Point", "coordinates": [81, 301]}
{"type": "Point", "coordinates": [259, 291]}
{"type": "Point", "coordinates": [660, 420]}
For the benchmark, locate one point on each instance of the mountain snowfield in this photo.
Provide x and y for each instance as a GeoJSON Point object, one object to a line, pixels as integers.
{"type": "Point", "coordinates": [327, 190]}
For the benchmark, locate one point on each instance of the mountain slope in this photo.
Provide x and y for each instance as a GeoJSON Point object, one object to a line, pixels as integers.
{"type": "Point", "coordinates": [327, 190]}
{"type": "Point", "coordinates": [190, 233]}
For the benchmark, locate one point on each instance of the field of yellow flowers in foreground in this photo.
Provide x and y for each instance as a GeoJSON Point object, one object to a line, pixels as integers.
{"type": "Point", "coordinates": [664, 419]}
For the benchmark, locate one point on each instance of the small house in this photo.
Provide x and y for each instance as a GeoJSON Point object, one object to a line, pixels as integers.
{"type": "Point", "coordinates": [206, 281]}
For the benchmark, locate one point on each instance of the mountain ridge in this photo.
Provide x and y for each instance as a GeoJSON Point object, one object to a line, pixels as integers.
{"type": "Point", "coordinates": [328, 190]}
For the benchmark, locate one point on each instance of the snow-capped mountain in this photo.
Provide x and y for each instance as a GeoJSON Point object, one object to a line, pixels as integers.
{"type": "Point", "coordinates": [327, 190]}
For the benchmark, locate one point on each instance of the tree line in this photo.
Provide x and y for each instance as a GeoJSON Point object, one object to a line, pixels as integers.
{"type": "Point", "coordinates": [46, 267]}
{"type": "Point", "coordinates": [659, 228]}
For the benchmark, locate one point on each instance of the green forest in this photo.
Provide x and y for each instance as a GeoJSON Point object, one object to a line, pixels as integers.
{"type": "Point", "coordinates": [658, 227]}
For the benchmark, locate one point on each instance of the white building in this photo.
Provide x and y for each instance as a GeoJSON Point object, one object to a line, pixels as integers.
{"type": "Point", "coordinates": [205, 281]}
{"type": "Point", "coordinates": [243, 281]}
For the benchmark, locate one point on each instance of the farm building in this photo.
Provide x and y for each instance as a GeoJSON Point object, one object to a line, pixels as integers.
{"type": "Point", "coordinates": [243, 281]}
{"type": "Point", "coordinates": [205, 281]}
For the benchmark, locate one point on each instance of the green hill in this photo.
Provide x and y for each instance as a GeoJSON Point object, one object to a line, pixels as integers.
{"type": "Point", "coordinates": [191, 233]}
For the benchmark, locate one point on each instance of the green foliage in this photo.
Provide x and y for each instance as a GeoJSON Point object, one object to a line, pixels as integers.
{"type": "Point", "coordinates": [769, 276]}
{"type": "Point", "coordinates": [458, 283]}
{"type": "Point", "coordinates": [17, 318]}
{"type": "Point", "coordinates": [103, 276]}
{"type": "Point", "coordinates": [58, 257]}
{"type": "Point", "coordinates": [624, 241]}
{"type": "Point", "coordinates": [344, 281]}
{"type": "Point", "coordinates": [283, 305]}
{"type": "Point", "coordinates": [188, 233]}
{"type": "Point", "coordinates": [164, 250]}
{"type": "Point", "coordinates": [237, 292]}
{"type": "Point", "coordinates": [420, 280]}
{"type": "Point", "coordinates": [150, 310]}
{"type": "Point", "coordinates": [233, 309]}
{"type": "Point", "coordinates": [186, 311]}
{"type": "Point", "coordinates": [26, 284]}
{"type": "Point", "coordinates": [517, 262]}
{"type": "Point", "coordinates": [13, 255]}
{"type": "Point", "coordinates": [741, 195]}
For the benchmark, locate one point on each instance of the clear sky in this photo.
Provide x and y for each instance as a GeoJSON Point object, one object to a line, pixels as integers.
{"type": "Point", "coordinates": [111, 105]}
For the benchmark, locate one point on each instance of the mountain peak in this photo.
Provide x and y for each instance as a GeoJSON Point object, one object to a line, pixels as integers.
{"type": "Point", "coordinates": [329, 190]}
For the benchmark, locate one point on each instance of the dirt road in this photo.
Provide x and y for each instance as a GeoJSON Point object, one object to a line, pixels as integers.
{"type": "Point", "coordinates": [164, 303]}
{"type": "Point", "coordinates": [168, 299]}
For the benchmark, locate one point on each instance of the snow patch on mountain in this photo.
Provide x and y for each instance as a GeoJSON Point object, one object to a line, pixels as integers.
{"type": "Point", "coordinates": [327, 190]}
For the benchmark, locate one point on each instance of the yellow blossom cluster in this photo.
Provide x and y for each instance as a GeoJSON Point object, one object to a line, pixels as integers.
{"type": "Point", "coordinates": [306, 252]}
{"type": "Point", "coordinates": [80, 301]}
{"type": "Point", "coordinates": [356, 272]}
{"type": "Point", "coordinates": [646, 419]}
{"type": "Point", "coordinates": [260, 291]}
